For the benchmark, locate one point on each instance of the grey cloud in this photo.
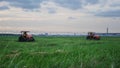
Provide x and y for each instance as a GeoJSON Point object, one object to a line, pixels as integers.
{"type": "Point", "coordinates": [92, 1]}
{"type": "Point", "coordinates": [115, 5]}
{"type": "Point", "coordinates": [75, 4]}
{"type": "Point", "coordinates": [72, 18]}
{"type": "Point", "coordinates": [115, 13]}
{"type": "Point", "coordinates": [4, 8]}
{"type": "Point", "coordinates": [25, 4]}
{"type": "Point", "coordinates": [72, 4]}
{"type": "Point", "coordinates": [51, 10]}
{"type": "Point", "coordinates": [34, 4]}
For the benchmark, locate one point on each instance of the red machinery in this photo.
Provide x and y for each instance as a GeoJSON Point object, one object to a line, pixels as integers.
{"type": "Point", "coordinates": [92, 36]}
{"type": "Point", "coordinates": [25, 37]}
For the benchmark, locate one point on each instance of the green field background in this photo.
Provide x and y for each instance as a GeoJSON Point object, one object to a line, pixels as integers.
{"type": "Point", "coordinates": [60, 52]}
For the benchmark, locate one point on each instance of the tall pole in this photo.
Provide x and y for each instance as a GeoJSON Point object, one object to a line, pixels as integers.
{"type": "Point", "coordinates": [107, 30]}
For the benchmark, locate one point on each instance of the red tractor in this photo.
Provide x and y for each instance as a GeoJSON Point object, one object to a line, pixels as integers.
{"type": "Point", "coordinates": [92, 36]}
{"type": "Point", "coordinates": [25, 37]}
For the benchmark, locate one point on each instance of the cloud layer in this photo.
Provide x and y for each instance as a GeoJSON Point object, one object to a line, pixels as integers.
{"type": "Point", "coordinates": [60, 15]}
{"type": "Point", "coordinates": [96, 7]}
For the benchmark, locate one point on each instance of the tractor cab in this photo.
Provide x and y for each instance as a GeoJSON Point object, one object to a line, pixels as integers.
{"type": "Point", "coordinates": [25, 37]}
{"type": "Point", "coordinates": [92, 36]}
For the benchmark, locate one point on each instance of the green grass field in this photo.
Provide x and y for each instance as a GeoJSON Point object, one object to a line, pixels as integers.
{"type": "Point", "coordinates": [60, 52]}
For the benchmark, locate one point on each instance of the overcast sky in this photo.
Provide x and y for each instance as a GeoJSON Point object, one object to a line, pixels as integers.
{"type": "Point", "coordinates": [60, 15]}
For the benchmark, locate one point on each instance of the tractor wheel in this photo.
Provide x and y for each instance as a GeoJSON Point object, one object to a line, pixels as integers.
{"type": "Point", "coordinates": [88, 38]}
{"type": "Point", "coordinates": [21, 39]}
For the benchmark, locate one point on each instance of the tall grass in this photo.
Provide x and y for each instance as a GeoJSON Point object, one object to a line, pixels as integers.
{"type": "Point", "coordinates": [60, 52]}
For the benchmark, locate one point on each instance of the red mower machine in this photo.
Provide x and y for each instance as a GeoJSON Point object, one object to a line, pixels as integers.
{"type": "Point", "coordinates": [92, 36]}
{"type": "Point", "coordinates": [25, 37]}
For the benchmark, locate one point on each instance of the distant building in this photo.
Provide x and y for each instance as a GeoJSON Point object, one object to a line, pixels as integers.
{"type": "Point", "coordinates": [46, 34]}
{"type": "Point", "coordinates": [108, 34]}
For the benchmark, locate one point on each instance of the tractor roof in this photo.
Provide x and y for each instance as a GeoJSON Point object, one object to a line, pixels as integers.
{"type": "Point", "coordinates": [24, 31]}
{"type": "Point", "coordinates": [91, 32]}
